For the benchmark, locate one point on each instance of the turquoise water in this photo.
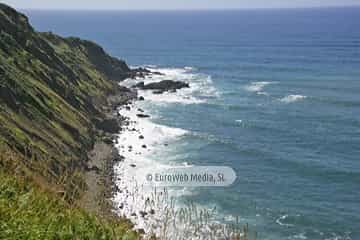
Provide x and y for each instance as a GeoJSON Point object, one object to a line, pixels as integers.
{"type": "Point", "coordinates": [281, 106]}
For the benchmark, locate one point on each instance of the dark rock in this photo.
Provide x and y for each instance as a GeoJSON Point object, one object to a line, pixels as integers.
{"type": "Point", "coordinates": [166, 85]}
{"type": "Point", "coordinates": [144, 146]}
{"type": "Point", "coordinates": [158, 73]}
{"type": "Point", "coordinates": [115, 188]}
{"type": "Point", "coordinates": [133, 214]}
{"type": "Point", "coordinates": [143, 213]}
{"type": "Point", "coordinates": [158, 92]}
{"type": "Point", "coordinates": [139, 85]}
{"type": "Point", "coordinates": [108, 140]}
{"type": "Point", "coordinates": [141, 98]}
{"type": "Point", "coordinates": [132, 165]}
{"type": "Point", "coordinates": [162, 86]}
{"type": "Point", "coordinates": [141, 231]}
{"type": "Point", "coordinates": [140, 115]}
{"type": "Point", "coordinates": [128, 108]}
{"type": "Point", "coordinates": [141, 137]}
{"type": "Point", "coordinates": [109, 125]}
{"type": "Point", "coordinates": [119, 158]}
{"type": "Point", "coordinates": [152, 212]}
{"type": "Point", "coordinates": [140, 110]}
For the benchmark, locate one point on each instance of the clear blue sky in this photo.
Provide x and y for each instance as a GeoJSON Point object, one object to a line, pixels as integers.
{"type": "Point", "coordinates": [173, 4]}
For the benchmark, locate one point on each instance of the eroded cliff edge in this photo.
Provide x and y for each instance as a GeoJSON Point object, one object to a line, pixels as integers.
{"type": "Point", "coordinates": [56, 100]}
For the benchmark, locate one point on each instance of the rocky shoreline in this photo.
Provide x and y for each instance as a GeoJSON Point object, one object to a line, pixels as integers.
{"type": "Point", "coordinates": [100, 176]}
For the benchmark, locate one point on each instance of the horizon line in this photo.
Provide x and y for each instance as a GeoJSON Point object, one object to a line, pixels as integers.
{"type": "Point", "coordinates": [190, 9]}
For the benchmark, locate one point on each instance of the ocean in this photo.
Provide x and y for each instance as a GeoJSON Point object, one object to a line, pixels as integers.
{"type": "Point", "coordinates": [275, 94]}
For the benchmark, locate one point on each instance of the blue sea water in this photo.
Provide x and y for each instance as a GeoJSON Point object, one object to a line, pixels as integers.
{"type": "Point", "coordinates": [284, 110]}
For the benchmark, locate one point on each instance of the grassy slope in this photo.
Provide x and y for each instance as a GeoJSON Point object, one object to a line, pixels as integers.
{"type": "Point", "coordinates": [29, 213]}
{"type": "Point", "coordinates": [52, 93]}
{"type": "Point", "coordinates": [51, 90]}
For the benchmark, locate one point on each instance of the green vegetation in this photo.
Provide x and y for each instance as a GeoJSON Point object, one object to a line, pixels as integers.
{"type": "Point", "coordinates": [52, 92]}
{"type": "Point", "coordinates": [28, 213]}
{"type": "Point", "coordinates": [53, 95]}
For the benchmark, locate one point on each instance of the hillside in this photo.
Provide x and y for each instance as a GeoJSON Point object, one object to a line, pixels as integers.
{"type": "Point", "coordinates": [56, 100]}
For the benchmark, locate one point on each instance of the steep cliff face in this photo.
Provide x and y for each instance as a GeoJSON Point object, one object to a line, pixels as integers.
{"type": "Point", "coordinates": [52, 92]}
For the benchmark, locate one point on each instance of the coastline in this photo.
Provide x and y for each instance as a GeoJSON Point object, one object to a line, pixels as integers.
{"type": "Point", "coordinates": [145, 145]}
{"type": "Point", "coordinates": [99, 175]}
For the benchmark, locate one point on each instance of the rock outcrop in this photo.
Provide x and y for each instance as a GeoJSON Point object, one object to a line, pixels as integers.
{"type": "Point", "coordinates": [162, 86]}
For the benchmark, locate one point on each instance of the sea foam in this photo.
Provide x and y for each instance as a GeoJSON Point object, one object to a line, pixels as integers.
{"type": "Point", "coordinates": [257, 87]}
{"type": "Point", "coordinates": [201, 86]}
{"type": "Point", "coordinates": [292, 98]}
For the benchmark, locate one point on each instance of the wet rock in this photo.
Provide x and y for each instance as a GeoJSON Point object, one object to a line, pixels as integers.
{"type": "Point", "coordinates": [119, 158]}
{"type": "Point", "coordinates": [165, 85]}
{"type": "Point", "coordinates": [144, 146]}
{"type": "Point", "coordinates": [139, 85]}
{"type": "Point", "coordinates": [141, 98]}
{"type": "Point", "coordinates": [141, 137]}
{"type": "Point", "coordinates": [142, 213]}
{"type": "Point", "coordinates": [116, 188]}
{"type": "Point", "coordinates": [162, 86]}
{"type": "Point", "coordinates": [128, 108]}
{"type": "Point", "coordinates": [158, 92]}
{"type": "Point", "coordinates": [140, 115]}
{"type": "Point", "coordinates": [140, 110]}
{"type": "Point", "coordinates": [158, 73]}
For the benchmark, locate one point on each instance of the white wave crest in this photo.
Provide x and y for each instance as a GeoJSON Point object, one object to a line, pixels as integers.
{"type": "Point", "coordinates": [138, 143]}
{"type": "Point", "coordinates": [292, 98]}
{"type": "Point", "coordinates": [201, 86]}
{"type": "Point", "coordinates": [257, 86]}
{"type": "Point", "coordinates": [283, 218]}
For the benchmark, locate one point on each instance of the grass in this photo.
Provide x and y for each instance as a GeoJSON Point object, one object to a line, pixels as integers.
{"type": "Point", "coordinates": [28, 212]}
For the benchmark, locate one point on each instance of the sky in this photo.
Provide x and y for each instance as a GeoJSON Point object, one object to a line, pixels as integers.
{"type": "Point", "coordinates": [173, 4]}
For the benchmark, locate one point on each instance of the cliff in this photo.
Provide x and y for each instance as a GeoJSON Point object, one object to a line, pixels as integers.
{"type": "Point", "coordinates": [54, 105]}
